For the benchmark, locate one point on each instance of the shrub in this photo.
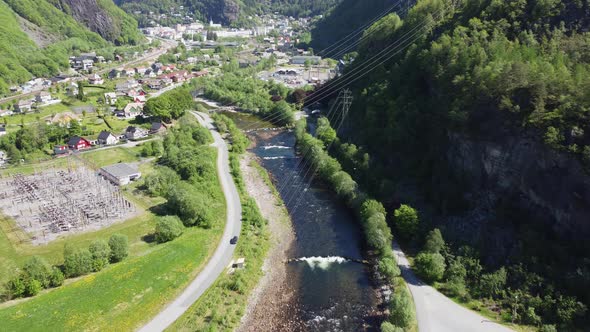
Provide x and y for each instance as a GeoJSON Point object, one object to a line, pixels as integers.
{"type": "Point", "coordinates": [101, 253]}
{"type": "Point", "coordinates": [388, 327]}
{"type": "Point", "coordinates": [406, 221]}
{"type": "Point", "coordinates": [168, 228]}
{"type": "Point", "coordinates": [77, 262]}
{"type": "Point", "coordinates": [119, 247]}
{"type": "Point", "coordinates": [57, 277]}
{"type": "Point", "coordinates": [492, 284]}
{"type": "Point", "coordinates": [548, 328]}
{"type": "Point", "coordinates": [434, 242]}
{"type": "Point", "coordinates": [37, 268]}
{"type": "Point", "coordinates": [430, 267]}
{"type": "Point", "coordinates": [401, 308]}
{"type": "Point", "coordinates": [388, 268]}
{"type": "Point", "coordinates": [160, 182]}
{"type": "Point", "coordinates": [190, 206]}
{"type": "Point", "coordinates": [16, 288]}
{"type": "Point", "coordinates": [32, 287]}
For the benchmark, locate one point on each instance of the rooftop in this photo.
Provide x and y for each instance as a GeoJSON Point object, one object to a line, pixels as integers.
{"type": "Point", "coordinates": [120, 170]}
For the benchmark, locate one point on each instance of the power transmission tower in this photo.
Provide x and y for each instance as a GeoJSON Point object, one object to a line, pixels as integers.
{"type": "Point", "coordinates": [346, 97]}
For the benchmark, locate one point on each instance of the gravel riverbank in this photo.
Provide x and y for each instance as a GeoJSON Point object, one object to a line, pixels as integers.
{"type": "Point", "coordinates": [270, 307]}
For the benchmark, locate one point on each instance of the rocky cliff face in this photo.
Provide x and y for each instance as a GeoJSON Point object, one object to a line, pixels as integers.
{"type": "Point", "coordinates": [96, 18]}
{"type": "Point", "coordinates": [515, 180]}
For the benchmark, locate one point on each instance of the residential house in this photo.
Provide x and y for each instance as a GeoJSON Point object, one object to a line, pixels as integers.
{"type": "Point", "coordinates": [129, 72]}
{"type": "Point", "coordinates": [133, 133]}
{"type": "Point", "coordinates": [107, 138]}
{"type": "Point", "coordinates": [120, 174]}
{"type": "Point", "coordinates": [158, 128]}
{"type": "Point", "coordinates": [43, 97]}
{"type": "Point", "coordinates": [141, 71]}
{"type": "Point", "coordinates": [95, 79]}
{"type": "Point", "coordinates": [2, 131]}
{"type": "Point", "coordinates": [154, 84]}
{"type": "Point", "coordinates": [61, 150]}
{"type": "Point", "coordinates": [23, 106]}
{"type": "Point", "coordinates": [126, 86]}
{"type": "Point", "coordinates": [115, 73]}
{"type": "Point", "coordinates": [72, 90]}
{"type": "Point", "coordinates": [180, 76]}
{"type": "Point", "coordinates": [5, 112]}
{"type": "Point", "coordinates": [302, 59]}
{"type": "Point", "coordinates": [82, 64]}
{"type": "Point", "coordinates": [110, 98]}
{"type": "Point", "coordinates": [130, 111]}
{"type": "Point", "coordinates": [3, 158]}
{"type": "Point", "coordinates": [79, 143]}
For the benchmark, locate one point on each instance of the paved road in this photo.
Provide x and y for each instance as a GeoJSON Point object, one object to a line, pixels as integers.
{"type": "Point", "coordinates": [437, 313]}
{"type": "Point", "coordinates": [224, 252]}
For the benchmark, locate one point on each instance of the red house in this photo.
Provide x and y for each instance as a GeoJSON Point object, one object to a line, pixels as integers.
{"type": "Point", "coordinates": [79, 143]}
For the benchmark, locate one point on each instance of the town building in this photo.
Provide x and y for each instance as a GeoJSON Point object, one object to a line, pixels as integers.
{"type": "Point", "coordinates": [79, 143]}
{"type": "Point", "coordinates": [107, 138]}
{"type": "Point", "coordinates": [130, 111]}
{"type": "Point", "coordinates": [120, 174]}
{"type": "Point", "coordinates": [158, 128]}
{"type": "Point", "coordinates": [134, 133]}
{"type": "Point", "coordinates": [95, 79]}
{"type": "Point", "coordinates": [302, 59]}
{"type": "Point", "coordinates": [43, 97]}
{"type": "Point", "coordinates": [61, 150]}
{"type": "Point", "coordinates": [72, 90]}
{"type": "Point", "coordinates": [110, 98]}
{"type": "Point", "coordinates": [23, 106]}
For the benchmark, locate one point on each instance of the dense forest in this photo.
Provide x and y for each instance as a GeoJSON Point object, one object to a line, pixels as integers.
{"type": "Point", "coordinates": [478, 117]}
{"type": "Point", "coordinates": [37, 37]}
{"type": "Point", "coordinates": [227, 11]}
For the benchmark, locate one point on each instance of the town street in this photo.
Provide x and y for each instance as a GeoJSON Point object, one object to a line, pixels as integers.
{"type": "Point", "coordinates": [436, 312]}
{"type": "Point", "coordinates": [224, 252]}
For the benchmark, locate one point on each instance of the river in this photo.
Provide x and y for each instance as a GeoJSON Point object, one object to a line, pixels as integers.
{"type": "Point", "coordinates": [332, 293]}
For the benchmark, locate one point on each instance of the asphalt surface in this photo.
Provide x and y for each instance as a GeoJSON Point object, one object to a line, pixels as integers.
{"type": "Point", "coordinates": [224, 252]}
{"type": "Point", "coordinates": [436, 312]}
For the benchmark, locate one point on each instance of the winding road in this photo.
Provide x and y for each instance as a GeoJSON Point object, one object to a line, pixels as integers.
{"type": "Point", "coordinates": [436, 312]}
{"type": "Point", "coordinates": [224, 252]}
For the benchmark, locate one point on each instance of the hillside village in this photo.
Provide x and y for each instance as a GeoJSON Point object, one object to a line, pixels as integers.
{"type": "Point", "coordinates": [109, 96]}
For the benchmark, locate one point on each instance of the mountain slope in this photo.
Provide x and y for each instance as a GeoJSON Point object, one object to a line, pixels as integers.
{"type": "Point", "coordinates": [38, 36]}
{"type": "Point", "coordinates": [484, 124]}
{"type": "Point", "coordinates": [230, 11]}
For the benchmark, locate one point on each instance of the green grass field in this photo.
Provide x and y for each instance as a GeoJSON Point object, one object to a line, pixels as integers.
{"type": "Point", "coordinates": [124, 295]}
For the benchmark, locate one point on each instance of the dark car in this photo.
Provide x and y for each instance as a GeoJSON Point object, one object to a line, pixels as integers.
{"type": "Point", "coordinates": [233, 240]}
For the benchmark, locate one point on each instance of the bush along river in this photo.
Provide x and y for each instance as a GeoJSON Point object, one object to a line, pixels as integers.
{"type": "Point", "coordinates": [332, 290]}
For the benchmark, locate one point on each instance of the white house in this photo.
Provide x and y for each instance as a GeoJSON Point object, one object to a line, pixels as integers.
{"type": "Point", "coordinates": [107, 138]}
{"type": "Point", "coordinates": [2, 131]}
{"type": "Point", "coordinates": [43, 97]}
{"type": "Point", "coordinates": [120, 174]}
{"type": "Point", "coordinates": [23, 106]}
{"type": "Point", "coordinates": [131, 111]}
{"type": "Point", "coordinates": [110, 98]}
{"type": "Point", "coordinates": [134, 133]}
{"type": "Point", "coordinates": [95, 79]}
{"type": "Point", "coordinates": [72, 90]}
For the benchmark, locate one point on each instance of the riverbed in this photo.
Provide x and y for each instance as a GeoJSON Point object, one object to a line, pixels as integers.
{"type": "Point", "coordinates": [330, 290]}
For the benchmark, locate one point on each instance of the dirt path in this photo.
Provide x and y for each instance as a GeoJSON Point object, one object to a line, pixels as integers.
{"type": "Point", "coordinates": [268, 305]}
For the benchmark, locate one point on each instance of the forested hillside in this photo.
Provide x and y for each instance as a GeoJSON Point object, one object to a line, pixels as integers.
{"type": "Point", "coordinates": [230, 11]}
{"type": "Point", "coordinates": [483, 125]}
{"type": "Point", "coordinates": [38, 36]}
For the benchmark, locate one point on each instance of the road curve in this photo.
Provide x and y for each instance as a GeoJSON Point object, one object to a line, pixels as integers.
{"type": "Point", "coordinates": [436, 312]}
{"type": "Point", "coordinates": [224, 252]}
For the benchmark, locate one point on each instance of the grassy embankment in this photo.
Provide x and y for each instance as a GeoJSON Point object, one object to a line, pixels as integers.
{"type": "Point", "coordinates": [222, 306]}
{"type": "Point", "coordinates": [123, 295]}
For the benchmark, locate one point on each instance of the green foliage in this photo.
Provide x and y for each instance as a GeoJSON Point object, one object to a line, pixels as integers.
{"type": "Point", "coordinates": [16, 288]}
{"type": "Point", "coordinates": [32, 287]}
{"type": "Point", "coordinates": [434, 242]}
{"type": "Point", "coordinates": [101, 253]}
{"type": "Point", "coordinates": [57, 277]}
{"type": "Point", "coordinates": [168, 228]}
{"type": "Point", "coordinates": [239, 141]}
{"type": "Point", "coordinates": [37, 268]}
{"type": "Point", "coordinates": [401, 308]}
{"type": "Point", "coordinates": [161, 181]}
{"type": "Point", "coordinates": [170, 105]}
{"type": "Point", "coordinates": [77, 262]}
{"type": "Point", "coordinates": [430, 266]}
{"type": "Point", "coordinates": [388, 267]}
{"type": "Point", "coordinates": [406, 221]}
{"type": "Point", "coordinates": [388, 327]}
{"type": "Point", "coordinates": [492, 284]}
{"type": "Point", "coordinates": [325, 132]}
{"type": "Point", "coordinates": [119, 247]}
{"type": "Point", "coordinates": [250, 94]}
{"type": "Point", "coordinates": [152, 148]}
{"type": "Point", "coordinates": [189, 205]}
